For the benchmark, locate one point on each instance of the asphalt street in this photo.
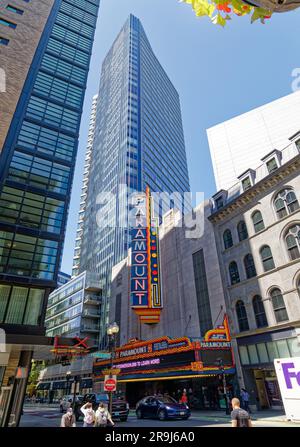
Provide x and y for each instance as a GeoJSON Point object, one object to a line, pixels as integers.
{"type": "Point", "coordinates": [50, 417]}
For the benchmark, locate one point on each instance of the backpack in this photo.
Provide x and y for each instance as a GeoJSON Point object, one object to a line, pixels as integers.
{"type": "Point", "coordinates": [89, 417]}
{"type": "Point", "coordinates": [243, 418]}
{"type": "Point", "coordinates": [101, 417]}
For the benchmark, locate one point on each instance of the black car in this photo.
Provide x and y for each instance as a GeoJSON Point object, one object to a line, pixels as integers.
{"type": "Point", "coordinates": [120, 408]}
{"type": "Point", "coordinates": [161, 408]}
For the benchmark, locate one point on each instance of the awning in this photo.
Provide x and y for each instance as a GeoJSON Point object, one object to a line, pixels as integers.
{"type": "Point", "coordinates": [59, 385]}
{"type": "Point", "coordinates": [86, 383]}
{"type": "Point", "coordinates": [43, 386]}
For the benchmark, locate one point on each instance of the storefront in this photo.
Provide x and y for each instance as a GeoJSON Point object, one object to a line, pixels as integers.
{"type": "Point", "coordinates": [257, 354]}
{"type": "Point", "coordinates": [167, 365]}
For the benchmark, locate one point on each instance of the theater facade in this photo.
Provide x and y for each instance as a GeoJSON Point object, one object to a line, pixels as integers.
{"type": "Point", "coordinates": [166, 365]}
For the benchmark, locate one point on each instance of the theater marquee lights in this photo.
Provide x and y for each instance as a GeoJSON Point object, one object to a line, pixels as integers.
{"type": "Point", "coordinates": [145, 289]}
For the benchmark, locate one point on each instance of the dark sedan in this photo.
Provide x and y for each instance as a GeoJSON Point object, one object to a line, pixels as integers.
{"type": "Point", "coordinates": [161, 408]}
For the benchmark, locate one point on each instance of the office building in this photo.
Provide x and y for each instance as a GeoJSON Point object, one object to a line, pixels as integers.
{"type": "Point", "coordinates": [45, 54]}
{"type": "Point", "coordinates": [257, 235]}
{"type": "Point", "coordinates": [239, 143]}
{"type": "Point", "coordinates": [137, 142]}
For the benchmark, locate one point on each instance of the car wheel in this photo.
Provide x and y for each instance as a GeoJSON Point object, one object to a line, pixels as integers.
{"type": "Point", "coordinates": [123, 419]}
{"type": "Point", "coordinates": [185, 418]}
{"type": "Point", "coordinates": [162, 415]}
{"type": "Point", "coordinates": [139, 414]}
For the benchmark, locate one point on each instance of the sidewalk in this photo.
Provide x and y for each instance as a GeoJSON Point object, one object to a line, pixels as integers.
{"type": "Point", "coordinates": [263, 415]}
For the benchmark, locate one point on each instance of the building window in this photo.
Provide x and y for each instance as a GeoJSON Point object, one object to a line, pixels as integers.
{"type": "Point", "coordinates": [259, 312]}
{"type": "Point", "coordinates": [258, 221]}
{"type": "Point", "coordinates": [219, 203]}
{"type": "Point", "coordinates": [7, 23]}
{"type": "Point", "coordinates": [249, 266]}
{"type": "Point", "coordinates": [242, 231]}
{"type": "Point", "coordinates": [285, 203]}
{"type": "Point", "coordinates": [293, 242]}
{"type": "Point", "coordinates": [234, 273]}
{"type": "Point", "coordinates": [246, 183]}
{"type": "Point", "coordinates": [298, 144]}
{"type": "Point", "coordinates": [272, 165]}
{"type": "Point", "coordinates": [279, 306]}
{"type": "Point", "coordinates": [227, 237]}
{"type": "Point", "coordinates": [203, 303]}
{"type": "Point", "coordinates": [4, 41]}
{"type": "Point", "coordinates": [242, 316]}
{"type": "Point", "coordinates": [267, 258]}
{"type": "Point", "coordinates": [14, 9]}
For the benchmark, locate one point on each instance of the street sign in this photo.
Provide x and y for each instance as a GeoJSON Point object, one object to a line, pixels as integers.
{"type": "Point", "coordinates": [113, 371]}
{"type": "Point", "coordinates": [110, 383]}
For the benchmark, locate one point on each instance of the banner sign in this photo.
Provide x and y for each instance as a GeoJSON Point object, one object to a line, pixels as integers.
{"type": "Point", "coordinates": [288, 376]}
{"type": "Point", "coordinates": [145, 288]}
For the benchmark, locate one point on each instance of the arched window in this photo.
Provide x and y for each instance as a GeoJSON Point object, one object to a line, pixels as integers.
{"type": "Point", "coordinates": [258, 221]}
{"type": "Point", "coordinates": [242, 230]}
{"type": "Point", "coordinates": [267, 258]}
{"type": "Point", "coordinates": [227, 237]}
{"type": "Point", "coordinates": [279, 306]}
{"type": "Point", "coordinates": [234, 273]}
{"type": "Point", "coordinates": [242, 316]}
{"type": "Point", "coordinates": [285, 203]}
{"type": "Point", "coordinates": [292, 240]}
{"type": "Point", "coordinates": [259, 311]}
{"type": "Point", "coordinates": [249, 266]}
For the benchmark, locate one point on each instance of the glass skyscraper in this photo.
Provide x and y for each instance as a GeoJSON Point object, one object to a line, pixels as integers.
{"type": "Point", "coordinates": [45, 51]}
{"type": "Point", "coordinates": [137, 141]}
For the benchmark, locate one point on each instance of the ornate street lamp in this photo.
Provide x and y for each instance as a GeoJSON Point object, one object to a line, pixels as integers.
{"type": "Point", "coordinates": [112, 331]}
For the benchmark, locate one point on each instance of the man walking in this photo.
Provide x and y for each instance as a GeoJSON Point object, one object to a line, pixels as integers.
{"type": "Point", "coordinates": [68, 419]}
{"type": "Point", "coordinates": [239, 417]}
{"type": "Point", "coordinates": [245, 399]}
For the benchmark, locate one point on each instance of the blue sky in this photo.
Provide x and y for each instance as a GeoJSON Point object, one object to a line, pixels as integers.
{"type": "Point", "coordinates": [219, 73]}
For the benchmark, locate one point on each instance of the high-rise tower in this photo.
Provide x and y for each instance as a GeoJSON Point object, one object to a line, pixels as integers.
{"type": "Point", "coordinates": [138, 141]}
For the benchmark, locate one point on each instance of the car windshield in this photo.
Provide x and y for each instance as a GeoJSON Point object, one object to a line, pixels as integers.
{"type": "Point", "coordinates": [167, 400]}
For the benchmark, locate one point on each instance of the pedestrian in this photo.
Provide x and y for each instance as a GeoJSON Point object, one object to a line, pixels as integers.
{"type": "Point", "coordinates": [239, 417]}
{"type": "Point", "coordinates": [89, 415]}
{"type": "Point", "coordinates": [245, 399]}
{"type": "Point", "coordinates": [68, 419]}
{"type": "Point", "coordinates": [102, 416]}
{"type": "Point", "coordinates": [184, 398]}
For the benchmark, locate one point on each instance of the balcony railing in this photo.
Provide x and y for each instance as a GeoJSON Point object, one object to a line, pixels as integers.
{"type": "Point", "coordinates": [89, 328]}
{"type": "Point", "coordinates": [91, 313]}
{"type": "Point", "coordinates": [92, 299]}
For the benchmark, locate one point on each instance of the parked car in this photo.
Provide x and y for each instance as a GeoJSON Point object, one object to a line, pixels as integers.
{"type": "Point", "coordinates": [120, 408]}
{"type": "Point", "coordinates": [161, 408]}
{"type": "Point", "coordinates": [67, 401]}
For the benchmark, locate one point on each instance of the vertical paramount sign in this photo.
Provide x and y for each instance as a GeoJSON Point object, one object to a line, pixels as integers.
{"type": "Point", "coordinates": [145, 288]}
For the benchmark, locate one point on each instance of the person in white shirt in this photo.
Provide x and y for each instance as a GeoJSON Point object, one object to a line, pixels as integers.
{"type": "Point", "coordinates": [103, 416]}
{"type": "Point", "coordinates": [89, 415]}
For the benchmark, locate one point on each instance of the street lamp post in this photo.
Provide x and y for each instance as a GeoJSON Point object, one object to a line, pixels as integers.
{"type": "Point", "coordinates": [112, 331]}
{"type": "Point", "coordinates": [220, 363]}
{"type": "Point", "coordinates": [68, 379]}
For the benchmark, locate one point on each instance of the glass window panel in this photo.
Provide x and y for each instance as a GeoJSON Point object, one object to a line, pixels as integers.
{"type": "Point", "coordinates": [262, 352]}
{"type": "Point", "coordinates": [272, 350]}
{"type": "Point", "coordinates": [253, 354]}
{"type": "Point", "coordinates": [16, 305]}
{"type": "Point", "coordinates": [34, 306]}
{"type": "Point", "coordinates": [283, 349]}
{"type": "Point", "coordinates": [244, 355]}
{"type": "Point", "coordinates": [4, 294]}
{"type": "Point", "coordinates": [294, 347]}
